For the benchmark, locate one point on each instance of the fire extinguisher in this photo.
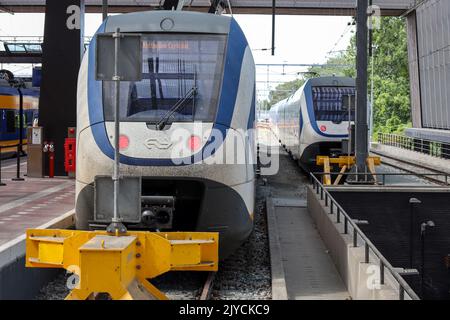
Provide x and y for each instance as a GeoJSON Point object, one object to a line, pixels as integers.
{"type": "Point", "coordinates": [50, 149]}
{"type": "Point", "coordinates": [51, 158]}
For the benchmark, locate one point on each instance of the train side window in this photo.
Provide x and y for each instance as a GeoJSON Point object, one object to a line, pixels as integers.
{"type": "Point", "coordinates": [10, 118]}
{"type": "Point", "coordinates": [348, 102]}
{"type": "Point", "coordinates": [28, 118]}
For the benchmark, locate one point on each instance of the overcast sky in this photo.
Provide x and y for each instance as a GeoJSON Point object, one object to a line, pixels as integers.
{"type": "Point", "coordinates": [299, 39]}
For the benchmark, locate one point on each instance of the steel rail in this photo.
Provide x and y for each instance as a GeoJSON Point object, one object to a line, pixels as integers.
{"type": "Point", "coordinates": [208, 286]}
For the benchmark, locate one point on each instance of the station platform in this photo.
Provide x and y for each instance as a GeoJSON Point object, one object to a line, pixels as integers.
{"type": "Point", "coordinates": [308, 270]}
{"type": "Point", "coordinates": [302, 268]}
{"type": "Point", "coordinates": [31, 203]}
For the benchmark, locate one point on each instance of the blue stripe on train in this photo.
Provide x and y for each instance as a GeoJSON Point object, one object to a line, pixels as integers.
{"type": "Point", "coordinates": [10, 91]}
{"type": "Point", "coordinates": [252, 114]}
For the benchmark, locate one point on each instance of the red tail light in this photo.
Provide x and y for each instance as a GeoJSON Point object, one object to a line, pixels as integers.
{"type": "Point", "coordinates": [194, 143]}
{"type": "Point", "coordinates": [124, 142]}
{"type": "Point", "coordinates": [323, 128]}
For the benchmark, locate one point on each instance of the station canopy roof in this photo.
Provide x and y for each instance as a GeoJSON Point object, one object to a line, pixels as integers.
{"type": "Point", "coordinates": [323, 7]}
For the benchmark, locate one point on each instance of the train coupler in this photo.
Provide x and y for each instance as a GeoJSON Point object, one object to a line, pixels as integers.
{"type": "Point", "coordinates": [120, 266]}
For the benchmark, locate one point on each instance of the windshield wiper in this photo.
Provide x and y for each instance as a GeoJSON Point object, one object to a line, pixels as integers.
{"type": "Point", "coordinates": [177, 106]}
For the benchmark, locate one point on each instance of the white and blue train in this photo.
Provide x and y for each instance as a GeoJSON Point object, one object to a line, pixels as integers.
{"type": "Point", "coordinates": [315, 119]}
{"type": "Point", "coordinates": [199, 79]}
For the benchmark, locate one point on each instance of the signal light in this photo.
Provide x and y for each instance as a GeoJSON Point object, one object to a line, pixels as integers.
{"type": "Point", "coordinates": [194, 143]}
{"type": "Point", "coordinates": [323, 128]}
{"type": "Point", "coordinates": [124, 142]}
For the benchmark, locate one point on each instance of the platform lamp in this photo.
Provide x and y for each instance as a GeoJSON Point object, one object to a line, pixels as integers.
{"type": "Point", "coordinates": [423, 229]}
{"type": "Point", "coordinates": [413, 202]}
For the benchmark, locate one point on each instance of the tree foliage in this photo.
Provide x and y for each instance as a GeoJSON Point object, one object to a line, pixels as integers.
{"type": "Point", "coordinates": [284, 90]}
{"type": "Point", "coordinates": [334, 67]}
{"type": "Point", "coordinates": [281, 92]}
{"type": "Point", "coordinates": [392, 108]}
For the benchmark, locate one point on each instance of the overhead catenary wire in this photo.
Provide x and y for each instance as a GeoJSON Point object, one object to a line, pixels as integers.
{"type": "Point", "coordinates": [343, 34]}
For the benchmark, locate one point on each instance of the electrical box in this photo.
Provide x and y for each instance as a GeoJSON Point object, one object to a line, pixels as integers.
{"type": "Point", "coordinates": [70, 152]}
{"type": "Point", "coordinates": [35, 145]}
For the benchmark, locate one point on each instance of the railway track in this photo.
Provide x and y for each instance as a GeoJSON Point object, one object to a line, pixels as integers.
{"type": "Point", "coordinates": [437, 176]}
{"type": "Point", "coordinates": [206, 291]}
{"type": "Point", "coordinates": [427, 175]}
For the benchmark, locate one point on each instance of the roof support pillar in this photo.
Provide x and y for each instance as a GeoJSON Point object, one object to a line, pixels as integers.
{"type": "Point", "coordinates": [274, 6]}
{"type": "Point", "coordinates": [362, 129]}
{"type": "Point", "coordinates": [104, 9]}
{"type": "Point", "coordinates": [62, 51]}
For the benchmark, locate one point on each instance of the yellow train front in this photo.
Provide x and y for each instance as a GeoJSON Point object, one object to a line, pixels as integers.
{"type": "Point", "coordinates": [11, 96]}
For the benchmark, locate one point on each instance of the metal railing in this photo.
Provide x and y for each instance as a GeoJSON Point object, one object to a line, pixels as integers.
{"type": "Point", "coordinates": [335, 208]}
{"type": "Point", "coordinates": [23, 40]}
{"type": "Point", "coordinates": [429, 147]}
{"type": "Point", "coordinates": [31, 39]}
{"type": "Point", "coordinates": [440, 178]}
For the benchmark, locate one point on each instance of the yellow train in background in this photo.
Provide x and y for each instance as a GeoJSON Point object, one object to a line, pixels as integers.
{"type": "Point", "coordinates": [11, 95]}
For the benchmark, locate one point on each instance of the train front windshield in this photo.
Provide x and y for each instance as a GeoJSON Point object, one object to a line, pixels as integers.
{"type": "Point", "coordinates": [182, 75]}
{"type": "Point", "coordinates": [336, 104]}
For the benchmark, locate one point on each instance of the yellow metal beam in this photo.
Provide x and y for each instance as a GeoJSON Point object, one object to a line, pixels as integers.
{"type": "Point", "coordinates": [339, 177]}
{"type": "Point", "coordinates": [345, 163]}
{"type": "Point", "coordinates": [327, 171]}
{"type": "Point", "coordinates": [375, 160]}
{"type": "Point", "coordinates": [341, 161]}
{"type": "Point", "coordinates": [120, 265]}
{"type": "Point", "coordinates": [371, 167]}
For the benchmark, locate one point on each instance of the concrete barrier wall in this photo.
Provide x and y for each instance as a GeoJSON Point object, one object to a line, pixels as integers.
{"type": "Point", "coordinates": [18, 282]}
{"type": "Point", "coordinates": [361, 279]}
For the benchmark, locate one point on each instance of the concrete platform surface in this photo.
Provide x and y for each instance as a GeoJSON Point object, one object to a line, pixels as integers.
{"type": "Point", "coordinates": [31, 203]}
{"type": "Point", "coordinates": [301, 266]}
{"type": "Point", "coordinates": [310, 273]}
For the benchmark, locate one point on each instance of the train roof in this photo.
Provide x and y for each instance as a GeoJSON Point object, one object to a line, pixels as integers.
{"type": "Point", "coordinates": [11, 91]}
{"type": "Point", "coordinates": [332, 81]}
{"type": "Point", "coordinates": [169, 21]}
{"type": "Point", "coordinates": [277, 105]}
{"type": "Point", "coordinates": [318, 82]}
